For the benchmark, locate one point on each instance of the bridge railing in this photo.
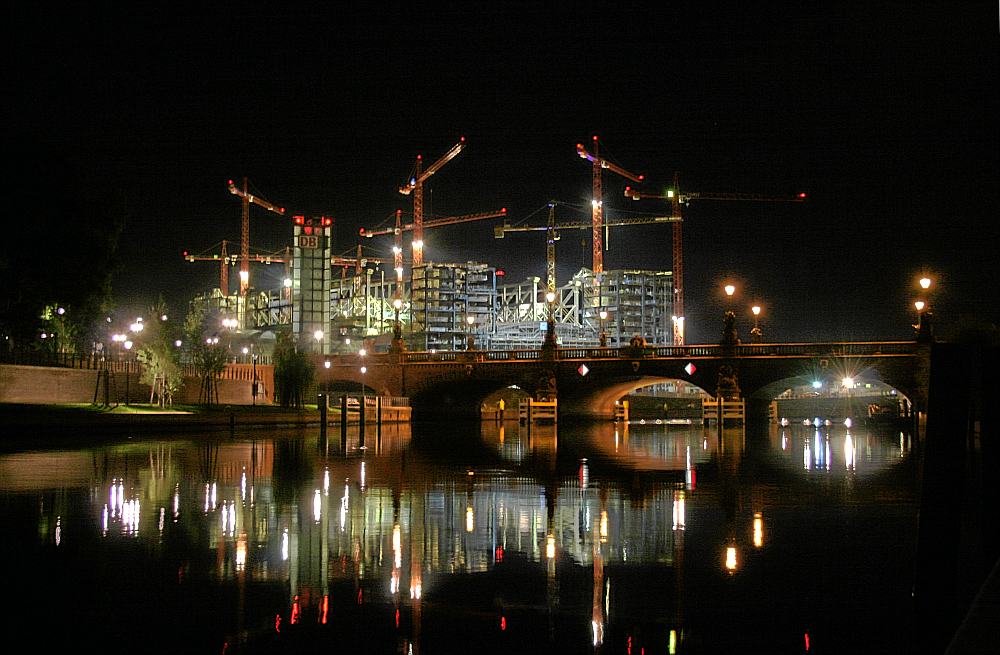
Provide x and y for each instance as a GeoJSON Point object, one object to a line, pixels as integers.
{"type": "Point", "coordinates": [803, 349]}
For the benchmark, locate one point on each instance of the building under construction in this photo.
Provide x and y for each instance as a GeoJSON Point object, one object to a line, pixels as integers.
{"type": "Point", "coordinates": [444, 305]}
{"type": "Point", "coordinates": [448, 303]}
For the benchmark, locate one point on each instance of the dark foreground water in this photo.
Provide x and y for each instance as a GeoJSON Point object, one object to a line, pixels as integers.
{"type": "Point", "coordinates": [465, 538]}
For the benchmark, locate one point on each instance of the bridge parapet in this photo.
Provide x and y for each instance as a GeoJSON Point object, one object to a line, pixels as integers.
{"type": "Point", "coordinates": [819, 349]}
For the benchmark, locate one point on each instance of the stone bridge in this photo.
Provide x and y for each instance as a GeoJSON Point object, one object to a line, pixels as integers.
{"type": "Point", "coordinates": [588, 381]}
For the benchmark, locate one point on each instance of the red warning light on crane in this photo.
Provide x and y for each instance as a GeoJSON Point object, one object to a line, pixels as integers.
{"type": "Point", "coordinates": [802, 196]}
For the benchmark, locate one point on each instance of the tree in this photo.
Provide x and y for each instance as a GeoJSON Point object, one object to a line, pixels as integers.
{"type": "Point", "coordinates": [159, 356]}
{"type": "Point", "coordinates": [209, 359]}
{"type": "Point", "coordinates": [293, 373]}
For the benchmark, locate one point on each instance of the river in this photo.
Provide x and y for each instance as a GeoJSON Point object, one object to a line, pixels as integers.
{"type": "Point", "coordinates": [486, 538]}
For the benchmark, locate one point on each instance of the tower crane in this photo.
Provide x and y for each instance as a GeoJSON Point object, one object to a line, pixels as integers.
{"type": "Point", "coordinates": [678, 198]}
{"type": "Point", "coordinates": [397, 231]}
{"type": "Point", "coordinates": [248, 198]}
{"type": "Point", "coordinates": [551, 229]}
{"type": "Point", "coordinates": [416, 186]}
{"type": "Point", "coordinates": [597, 220]}
{"type": "Point", "coordinates": [225, 260]}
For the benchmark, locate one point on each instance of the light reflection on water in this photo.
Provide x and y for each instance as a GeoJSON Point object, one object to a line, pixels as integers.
{"type": "Point", "coordinates": [592, 537]}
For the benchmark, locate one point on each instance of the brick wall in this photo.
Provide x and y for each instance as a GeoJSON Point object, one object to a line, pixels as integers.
{"type": "Point", "coordinates": [41, 385]}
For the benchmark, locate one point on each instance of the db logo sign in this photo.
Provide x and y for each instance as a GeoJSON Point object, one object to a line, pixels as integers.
{"type": "Point", "coordinates": [308, 241]}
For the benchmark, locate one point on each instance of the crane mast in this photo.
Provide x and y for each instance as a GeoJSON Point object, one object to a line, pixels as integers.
{"type": "Point", "coordinates": [248, 198]}
{"type": "Point", "coordinates": [677, 198]}
{"type": "Point", "coordinates": [597, 214]}
{"type": "Point", "coordinates": [416, 186]}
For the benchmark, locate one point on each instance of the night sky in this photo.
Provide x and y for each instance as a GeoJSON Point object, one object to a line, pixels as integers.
{"type": "Point", "coordinates": [885, 115]}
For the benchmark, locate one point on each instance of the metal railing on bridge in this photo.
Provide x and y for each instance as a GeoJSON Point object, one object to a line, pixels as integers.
{"type": "Point", "coordinates": [804, 349]}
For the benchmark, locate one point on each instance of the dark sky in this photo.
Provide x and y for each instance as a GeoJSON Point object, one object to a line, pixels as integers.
{"type": "Point", "coordinates": [885, 115]}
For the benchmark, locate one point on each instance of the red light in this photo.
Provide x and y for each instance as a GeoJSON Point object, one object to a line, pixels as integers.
{"type": "Point", "coordinates": [501, 272]}
{"type": "Point", "coordinates": [230, 183]}
{"type": "Point", "coordinates": [642, 177]}
{"type": "Point", "coordinates": [503, 623]}
{"type": "Point", "coordinates": [327, 221]}
{"type": "Point", "coordinates": [419, 157]}
{"type": "Point", "coordinates": [595, 137]}
{"type": "Point", "coordinates": [361, 231]}
{"type": "Point", "coordinates": [802, 195]}
{"type": "Point", "coordinates": [397, 618]}
{"type": "Point", "coordinates": [807, 641]}
{"type": "Point", "coordinates": [299, 220]}
{"type": "Point", "coordinates": [185, 253]}
{"type": "Point", "coordinates": [295, 610]}
{"type": "Point", "coordinates": [499, 554]}
{"type": "Point", "coordinates": [360, 596]}
{"type": "Point", "coordinates": [503, 210]}
{"type": "Point", "coordinates": [277, 623]}
{"type": "Point", "coordinates": [307, 229]}
{"type": "Point", "coordinates": [462, 139]}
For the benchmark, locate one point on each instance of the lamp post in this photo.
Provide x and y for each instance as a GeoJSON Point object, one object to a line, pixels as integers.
{"type": "Point", "coordinates": [923, 326]}
{"type": "Point", "coordinates": [471, 338]}
{"type": "Point", "coordinates": [318, 336]}
{"type": "Point", "coordinates": [248, 350]}
{"type": "Point", "coordinates": [755, 333]}
{"type": "Point", "coordinates": [397, 327]}
{"type": "Point", "coordinates": [361, 405]}
{"type": "Point", "coordinates": [729, 337]}
{"type": "Point", "coordinates": [128, 349]}
{"type": "Point", "coordinates": [604, 335]}
{"type": "Point", "coordinates": [550, 320]}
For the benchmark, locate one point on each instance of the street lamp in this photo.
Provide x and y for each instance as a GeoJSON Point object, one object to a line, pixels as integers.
{"type": "Point", "coordinates": [924, 315]}
{"type": "Point", "coordinates": [397, 327]}
{"type": "Point", "coordinates": [470, 320]}
{"type": "Point", "coordinates": [729, 320]}
{"type": "Point", "coordinates": [361, 407]}
{"type": "Point", "coordinates": [755, 333]}
{"type": "Point", "coordinates": [550, 319]}
{"type": "Point", "coordinates": [318, 336]}
{"type": "Point", "coordinates": [253, 364]}
{"type": "Point", "coordinates": [604, 335]}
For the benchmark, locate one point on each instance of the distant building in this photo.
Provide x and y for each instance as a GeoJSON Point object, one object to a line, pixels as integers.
{"type": "Point", "coordinates": [438, 300]}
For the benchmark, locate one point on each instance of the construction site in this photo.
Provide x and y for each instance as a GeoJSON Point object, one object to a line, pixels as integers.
{"type": "Point", "coordinates": [335, 303]}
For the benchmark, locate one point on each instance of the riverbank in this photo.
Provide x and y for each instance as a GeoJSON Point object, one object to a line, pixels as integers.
{"type": "Point", "coordinates": [31, 427]}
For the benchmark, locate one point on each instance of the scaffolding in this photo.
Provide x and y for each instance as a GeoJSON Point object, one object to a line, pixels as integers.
{"type": "Point", "coordinates": [637, 302]}
{"type": "Point", "coordinates": [451, 304]}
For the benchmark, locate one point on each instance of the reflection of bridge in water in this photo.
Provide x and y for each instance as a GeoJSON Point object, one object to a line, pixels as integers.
{"type": "Point", "coordinates": [567, 524]}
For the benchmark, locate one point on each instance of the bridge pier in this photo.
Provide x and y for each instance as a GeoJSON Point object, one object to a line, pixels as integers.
{"type": "Point", "coordinates": [758, 411]}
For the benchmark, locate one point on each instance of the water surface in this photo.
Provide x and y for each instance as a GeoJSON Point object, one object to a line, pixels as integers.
{"type": "Point", "coordinates": [492, 538]}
